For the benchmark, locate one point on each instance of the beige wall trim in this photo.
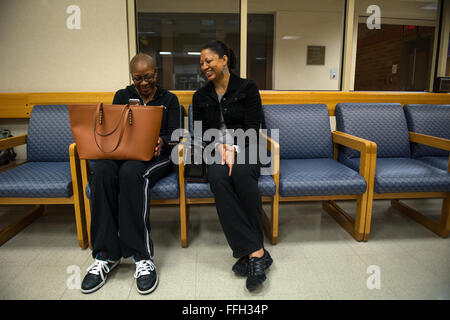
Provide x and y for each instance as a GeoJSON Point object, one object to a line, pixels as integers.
{"type": "Point", "coordinates": [442, 61]}
{"type": "Point", "coordinates": [435, 57]}
{"type": "Point", "coordinates": [354, 47]}
{"type": "Point", "coordinates": [243, 55]}
{"type": "Point", "coordinates": [348, 46]}
{"type": "Point", "coordinates": [401, 21]}
{"type": "Point", "coordinates": [131, 28]}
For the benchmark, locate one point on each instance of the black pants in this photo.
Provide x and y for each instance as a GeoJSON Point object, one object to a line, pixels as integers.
{"type": "Point", "coordinates": [239, 206]}
{"type": "Point", "coordinates": [120, 203]}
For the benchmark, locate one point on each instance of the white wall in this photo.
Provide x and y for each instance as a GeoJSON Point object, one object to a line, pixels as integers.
{"type": "Point", "coordinates": [317, 23]}
{"type": "Point", "coordinates": [40, 54]}
{"type": "Point", "coordinates": [290, 70]}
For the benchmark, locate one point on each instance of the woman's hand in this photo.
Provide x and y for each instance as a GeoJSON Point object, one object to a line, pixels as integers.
{"type": "Point", "coordinates": [159, 146]}
{"type": "Point", "coordinates": [228, 155]}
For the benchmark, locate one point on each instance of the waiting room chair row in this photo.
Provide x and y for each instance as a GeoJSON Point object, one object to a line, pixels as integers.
{"type": "Point", "coordinates": [379, 151]}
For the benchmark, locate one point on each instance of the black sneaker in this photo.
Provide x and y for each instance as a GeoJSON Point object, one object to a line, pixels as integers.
{"type": "Point", "coordinates": [146, 276]}
{"type": "Point", "coordinates": [256, 270]}
{"type": "Point", "coordinates": [97, 274]}
{"type": "Point", "coordinates": [240, 268]}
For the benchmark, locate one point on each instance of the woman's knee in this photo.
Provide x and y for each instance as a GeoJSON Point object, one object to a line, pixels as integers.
{"type": "Point", "coordinates": [243, 172]}
{"type": "Point", "coordinates": [104, 169]}
{"type": "Point", "coordinates": [131, 171]}
{"type": "Point", "coordinates": [217, 173]}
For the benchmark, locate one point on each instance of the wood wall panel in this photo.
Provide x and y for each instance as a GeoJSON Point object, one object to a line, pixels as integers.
{"type": "Point", "coordinates": [19, 105]}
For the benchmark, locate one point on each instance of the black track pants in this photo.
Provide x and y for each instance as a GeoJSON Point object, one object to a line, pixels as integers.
{"type": "Point", "coordinates": [120, 203]}
{"type": "Point", "coordinates": [239, 206]}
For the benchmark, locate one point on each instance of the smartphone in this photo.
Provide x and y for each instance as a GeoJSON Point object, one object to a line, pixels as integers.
{"type": "Point", "coordinates": [133, 102]}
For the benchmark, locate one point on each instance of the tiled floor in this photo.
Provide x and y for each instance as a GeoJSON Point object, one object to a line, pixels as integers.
{"type": "Point", "coordinates": [314, 259]}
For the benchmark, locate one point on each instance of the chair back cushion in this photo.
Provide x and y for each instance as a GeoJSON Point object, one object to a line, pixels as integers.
{"type": "Point", "coordinates": [382, 123]}
{"type": "Point", "coordinates": [304, 130]}
{"type": "Point", "coordinates": [49, 134]}
{"type": "Point", "coordinates": [433, 120]}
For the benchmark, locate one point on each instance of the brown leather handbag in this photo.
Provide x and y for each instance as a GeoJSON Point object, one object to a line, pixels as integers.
{"type": "Point", "coordinates": [117, 132]}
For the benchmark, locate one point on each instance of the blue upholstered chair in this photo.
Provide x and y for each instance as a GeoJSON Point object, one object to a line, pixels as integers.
{"type": "Point", "coordinates": [200, 193]}
{"type": "Point", "coordinates": [430, 120]}
{"type": "Point", "coordinates": [308, 168]}
{"type": "Point", "coordinates": [49, 176]}
{"type": "Point", "coordinates": [397, 174]}
{"type": "Point", "coordinates": [164, 192]}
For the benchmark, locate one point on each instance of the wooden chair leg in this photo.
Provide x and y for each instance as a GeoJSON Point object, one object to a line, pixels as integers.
{"type": "Point", "coordinates": [346, 221]}
{"type": "Point", "coordinates": [14, 228]}
{"type": "Point", "coordinates": [87, 204]}
{"type": "Point", "coordinates": [87, 211]}
{"type": "Point", "coordinates": [267, 226]}
{"type": "Point", "coordinates": [270, 225]}
{"type": "Point", "coordinates": [441, 228]}
{"type": "Point", "coordinates": [275, 212]}
{"type": "Point", "coordinates": [78, 199]}
{"type": "Point", "coordinates": [83, 241]}
{"type": "Point", "coordinates": [183, 224]}
{"type": "Point", "coordinates": [360, 219]}
{"type": "Point", "coordinates": [368, 218]}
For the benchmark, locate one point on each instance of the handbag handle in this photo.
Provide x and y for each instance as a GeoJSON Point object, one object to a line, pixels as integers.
{"type": "Point", "coordinates": [99, 115]}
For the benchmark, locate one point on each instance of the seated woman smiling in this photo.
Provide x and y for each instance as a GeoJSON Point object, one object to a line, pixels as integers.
{"type": "Point", "coordinates": [228, 102]}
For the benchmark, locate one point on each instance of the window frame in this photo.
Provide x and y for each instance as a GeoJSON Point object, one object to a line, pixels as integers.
{"type": "Point", "coordinates": [348, 58]}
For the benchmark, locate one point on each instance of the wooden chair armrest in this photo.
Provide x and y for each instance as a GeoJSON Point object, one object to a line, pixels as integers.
{"type": "Point", "coordinates": [13, 142]}
{"type": "Point", "coordinates": [431, 141]}
{"type": "Point", "coordinates": [181, 147]}
{"type": "Point", "coordinates": [367, 149]}
{"type": "Point", "coordinates": [72, 151]}
{"type": "Point", "coordinates": [351, 141]}
{"type": "Point", "coordinates": [74, 160]}
{"type": "Point", "coordinates": [77, 181]}
{"type": "Point", "coordinates": [274, 148]}
{"type": "Point", "coordinates": [271, 144]}
{"type": "Point", "coordinates": [81, 166]}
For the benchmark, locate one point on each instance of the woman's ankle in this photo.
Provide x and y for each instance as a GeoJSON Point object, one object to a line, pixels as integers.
{"type": "Point", "coordinates": [257, 254]}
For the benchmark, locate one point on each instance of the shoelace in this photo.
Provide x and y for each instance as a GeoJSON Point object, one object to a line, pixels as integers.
{"type": "Point", "coordinates": [144, 267]}
{"type": "Point", "coordinates": [256, 266]}
{"type": "Point", "coordinates": [99, 267]}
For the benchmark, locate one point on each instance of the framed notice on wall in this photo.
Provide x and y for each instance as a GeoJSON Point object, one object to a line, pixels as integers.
{"type": "Point", "coordinates": [316, 55]}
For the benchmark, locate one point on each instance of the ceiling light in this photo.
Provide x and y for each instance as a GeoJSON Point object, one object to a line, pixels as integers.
{"type": "Point", "coordinates": [430, 7]}
{"type": "Point", "coordinates": [290, 37]}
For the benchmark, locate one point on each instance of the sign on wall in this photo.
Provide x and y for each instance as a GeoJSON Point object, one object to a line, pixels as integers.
{"type": "Point", "coordinates": [316, 55]}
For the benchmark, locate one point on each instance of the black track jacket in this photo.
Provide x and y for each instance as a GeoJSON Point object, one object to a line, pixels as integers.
{"type": "Point", "coordinates": [173, 116]}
